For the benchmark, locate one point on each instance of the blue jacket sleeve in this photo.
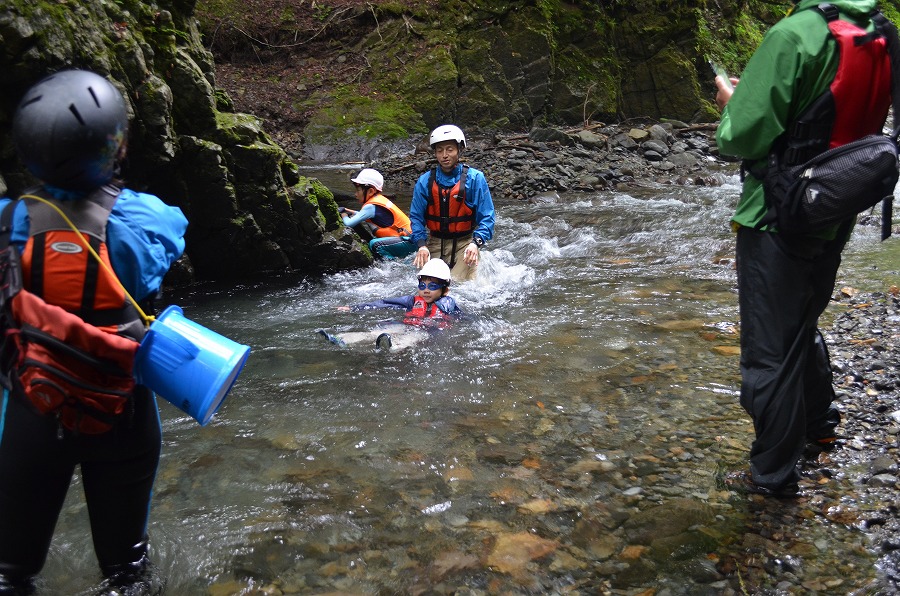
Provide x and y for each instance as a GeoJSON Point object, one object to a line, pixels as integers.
{"type": "Point", "coordinates": [417, 209]}
{"type": "Point", "coordinates": [367, 212]}
{"type": "Point", "coordinates": [21, 223]}
{"type": "Point", "coordinates": [145, 236]}
{"type": "Point", "coordinates": [448, 305]}
{"type": "Point", "coordinates": [402, 302]}
{"type": "Point", "coordinates": [478, 197]}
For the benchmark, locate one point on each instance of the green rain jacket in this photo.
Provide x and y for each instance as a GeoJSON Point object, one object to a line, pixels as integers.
{"type": "Point", "coordinates": [795, 63]}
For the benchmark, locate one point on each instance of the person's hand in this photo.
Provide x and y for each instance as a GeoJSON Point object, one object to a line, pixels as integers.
{"type": "Point", "coordinates": [724, 90]}
{"type": "Point", "coordinates": [470, 257]}
{"type": "Point", "coordinates": [422, 256]}
{"type": "Point", "coordinates": [344, 308]}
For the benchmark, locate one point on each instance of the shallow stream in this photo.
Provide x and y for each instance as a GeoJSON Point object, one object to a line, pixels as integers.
{"type": "Point", "coordinates": [569, 433]}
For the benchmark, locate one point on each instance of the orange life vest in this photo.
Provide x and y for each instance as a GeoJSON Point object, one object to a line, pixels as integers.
{"type": "Point", "coordinates": [57, 267]}
{"type": "Point", "coordinates": [423, 314]}
{"type": "Point", "coordinates": [447, 215]}
{"type": "Point", "coordinates": [399, 226]}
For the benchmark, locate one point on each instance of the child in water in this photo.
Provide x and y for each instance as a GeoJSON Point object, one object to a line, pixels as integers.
{"type": "Point", "coordinates": [430, 308]}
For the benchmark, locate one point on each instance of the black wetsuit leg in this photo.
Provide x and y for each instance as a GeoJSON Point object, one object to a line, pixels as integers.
{"type": "Point", "coordinates": [36, 467]}
{"type": "Point", "coordinates": [35, 471]}
{"type": "Point", "coordinates": [118, 472]}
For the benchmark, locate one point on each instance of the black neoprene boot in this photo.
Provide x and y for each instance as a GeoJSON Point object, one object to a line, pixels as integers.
{"type": "Point", "coordinates": [140, 578]}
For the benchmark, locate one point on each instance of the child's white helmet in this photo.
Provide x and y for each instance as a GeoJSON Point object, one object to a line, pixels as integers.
{"type": "Point", "coordinates": [437, 269]}
{"type": "Point", "coordinates": [369, 177]}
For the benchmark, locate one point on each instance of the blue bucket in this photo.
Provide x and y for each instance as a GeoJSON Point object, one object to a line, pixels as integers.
{"type": "Point", "coordinates": [188, 365]}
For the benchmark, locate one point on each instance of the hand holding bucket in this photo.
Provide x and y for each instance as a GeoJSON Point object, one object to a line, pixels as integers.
{"type": "Point", "coordinates": [188, 365]}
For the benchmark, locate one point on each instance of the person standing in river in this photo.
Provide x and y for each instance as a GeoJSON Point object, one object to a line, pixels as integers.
{"type": "Point", "coordinates": [791, 100]}
{"type": "Point", "coordinates": [70, 131]}
{"type": "Point", "coordinates": [452, 212]}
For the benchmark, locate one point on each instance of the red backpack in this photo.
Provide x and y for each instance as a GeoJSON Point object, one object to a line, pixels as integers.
{"type": "Point", "coordinates": [65, 367]}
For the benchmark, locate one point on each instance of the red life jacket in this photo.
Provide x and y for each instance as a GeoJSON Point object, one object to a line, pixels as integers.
{"type": "Point", "coordinates": [447, 215]}
{"type": "Point", "coordinates": [71, 355]}
{"type": "Point", "coordinates": [423, 314]}
{"type": "Point", "coordinates": [399, 224]}
{"type": "Point", "coordinates": [857, 101]}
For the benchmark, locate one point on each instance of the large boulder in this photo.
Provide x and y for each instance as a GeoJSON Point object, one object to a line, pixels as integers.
{"type": "Point", "coordinates": [250, 212]}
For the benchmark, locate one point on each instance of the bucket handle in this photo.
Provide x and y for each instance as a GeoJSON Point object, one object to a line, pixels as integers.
{"type": "Point", "coordinates": [183, 348]}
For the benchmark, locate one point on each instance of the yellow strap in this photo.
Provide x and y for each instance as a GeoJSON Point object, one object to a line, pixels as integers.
{"type": "Point", "coordinates": [147, 319]}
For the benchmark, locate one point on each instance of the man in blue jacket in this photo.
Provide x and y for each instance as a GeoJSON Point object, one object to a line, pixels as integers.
{"type": "Point", "coordinates": [452, 212]}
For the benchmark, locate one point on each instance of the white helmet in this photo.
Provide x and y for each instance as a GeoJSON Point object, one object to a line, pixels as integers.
{"type": "Point", "coordinates": [437, 269]}
{"type": "Point", "coordinates": [447, 132]}
{"type": "Point", "coordinates": [369, 177]}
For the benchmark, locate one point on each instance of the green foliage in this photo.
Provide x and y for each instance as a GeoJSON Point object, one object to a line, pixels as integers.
{"type": "Point", "coordinates": [731, 41]}
{"type": "Point", "coordinates": [211, 12]}
{"type": "Point", "coordinates": [548, 8]}
{"type": "Point", "coordinates": [373, 116]}
{"type": "Point", "coordinates": [321, 11]}
{"type": "Point", "coordinates": [891, 9]}
{"type": "Point", "coordinates": [287, 15]}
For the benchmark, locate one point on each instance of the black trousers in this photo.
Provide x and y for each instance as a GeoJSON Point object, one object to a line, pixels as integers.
{"type": "Point", "coordinates": [784, 285]}
{"type": "Point", "coordinates": [36, 467]}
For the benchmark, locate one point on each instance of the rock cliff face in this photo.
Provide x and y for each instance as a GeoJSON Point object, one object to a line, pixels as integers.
{"type": "Point", "coordinates": [250, 211]}
{"type": "Point", "coordinates": [491, 64]}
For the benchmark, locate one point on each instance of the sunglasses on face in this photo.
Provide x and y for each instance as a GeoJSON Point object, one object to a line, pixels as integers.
{"type": "Point", "coordinates": [433, 286]}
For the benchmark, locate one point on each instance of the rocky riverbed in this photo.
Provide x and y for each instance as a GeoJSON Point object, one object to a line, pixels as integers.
{"type": "Point", "coordinates": [853, 486]}
{"type": "Point", "coordinates": [856, 484]}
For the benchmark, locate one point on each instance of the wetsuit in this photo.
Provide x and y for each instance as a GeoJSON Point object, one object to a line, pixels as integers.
{"type": "Point", "coordinates": [38, 459]}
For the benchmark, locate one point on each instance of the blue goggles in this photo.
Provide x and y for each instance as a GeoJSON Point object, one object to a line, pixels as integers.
{"type": "Point", "coordinates": [431, 285]}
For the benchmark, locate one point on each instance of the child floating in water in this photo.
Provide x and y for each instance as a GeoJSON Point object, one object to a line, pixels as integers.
{"type": "Point", "coordinates": [428, 309]}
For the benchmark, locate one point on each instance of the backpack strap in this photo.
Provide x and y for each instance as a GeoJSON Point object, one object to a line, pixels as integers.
{"type": "Point", "coordinates": [887, 28]}
{"type": "Point", "coordinates": [462, 183]}
{"type": "Point", "coordinates": [889, 31]}
{"type": "Point", "coordinates": [829, 11]}
{"type": "Point", "coordinates": [10, 270]}
{"type": "Point", "coordinates": [6, 219]}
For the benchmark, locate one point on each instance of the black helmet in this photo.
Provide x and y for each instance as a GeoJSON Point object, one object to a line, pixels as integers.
{"type": "Point", "coordinates": [69, 129]}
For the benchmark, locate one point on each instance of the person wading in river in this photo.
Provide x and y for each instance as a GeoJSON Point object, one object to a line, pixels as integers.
{"type": "Point", "coordinates": [389, 224]}
{"type": "Point", "coordinates": [790, 99]}
{"type": "Point", "coordinates": [70, 131]}
{"type": "Point", "coordinates": [452, 211]}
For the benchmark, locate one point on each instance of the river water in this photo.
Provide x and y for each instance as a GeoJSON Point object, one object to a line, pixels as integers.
{"type": "Point", "coordinates": [569, 433]}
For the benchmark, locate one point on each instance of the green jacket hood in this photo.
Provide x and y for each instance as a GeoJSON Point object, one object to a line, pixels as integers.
{"type": "Point", "coordinates": [850, 7]}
